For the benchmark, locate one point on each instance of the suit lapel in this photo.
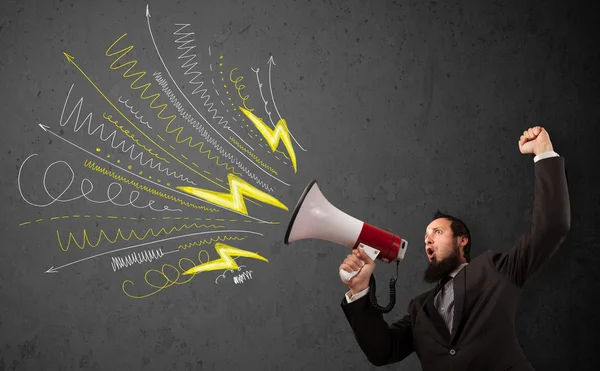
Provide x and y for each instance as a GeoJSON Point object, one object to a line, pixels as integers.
{"type": "Point", "coordinates": [460, 284]}
{"type": "Point", "coordinates": [433, 322]}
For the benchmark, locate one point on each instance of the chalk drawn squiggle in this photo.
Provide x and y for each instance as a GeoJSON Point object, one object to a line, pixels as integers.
{"type": "Point", "coordinates": [207, 242]}
{"type": "Point", "coordinates": [77, 126]}
{"type": "Point", "coordinates": [247, 275]}
{"type": "Point", "coordinates": [102, 170]}
{"type": "Point", "coordinates": [135, 114]}
{"type": "Point", "coordinates": [165, 276]}
{"type": "Point", "coordinates": [146, 256]}
{"type": "Point", "coordinates": [226, 262]}
{"type": "Point", "coordinates": [162, 82]}
{"type": "Point", "coordinates": [85, 184]}
{"type": "Point", "coordinates": [188, 63]}
{"type": "Point", "coordinates": [119, 235]}
{"type": "Point", "coordinates": [229, 270]}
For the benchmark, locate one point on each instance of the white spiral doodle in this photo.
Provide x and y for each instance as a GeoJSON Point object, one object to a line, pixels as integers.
{"type": "Point", "coordinates": [86, 188]}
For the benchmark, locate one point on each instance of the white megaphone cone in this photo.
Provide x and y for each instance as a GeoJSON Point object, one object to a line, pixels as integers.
{"type": "Point", "coordinates": [315, 217]}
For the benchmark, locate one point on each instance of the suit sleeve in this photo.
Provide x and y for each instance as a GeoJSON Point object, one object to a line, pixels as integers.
{"type": "Point", "coordinates": [549, 228]}
{"type": "Point", "coordinates": [382, 343]}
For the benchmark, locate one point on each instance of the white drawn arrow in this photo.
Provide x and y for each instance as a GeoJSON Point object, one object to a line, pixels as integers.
{"type": "Point", "coordinates": [55, 270]}
{"type": "Point", "coordinates": [272, 62]}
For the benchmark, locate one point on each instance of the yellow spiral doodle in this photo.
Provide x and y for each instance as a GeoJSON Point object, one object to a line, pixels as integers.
{"type": "Point", "coordinates": [226, 262]}
{"type": "Point", "coordinates": [119, 235]}
{"type": "Point", "coordinates": [163, 273]}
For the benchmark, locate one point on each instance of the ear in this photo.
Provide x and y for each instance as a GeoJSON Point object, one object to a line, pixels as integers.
{"type": "Point", "coordinates": [462, 241]}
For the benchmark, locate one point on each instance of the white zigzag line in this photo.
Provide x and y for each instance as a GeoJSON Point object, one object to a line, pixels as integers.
{"type": "Point", "coordinates": [129, 150]}
{"type": "Point", "coordinates": [187, 64]}
{"type": "Point", "coordinates": [162, 82]}
{"type": "Point", "coordinates": [136, 257]}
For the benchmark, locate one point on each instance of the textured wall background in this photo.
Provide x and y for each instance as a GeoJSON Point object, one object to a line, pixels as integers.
{"type": "Point", "coordinates": [401, 108]}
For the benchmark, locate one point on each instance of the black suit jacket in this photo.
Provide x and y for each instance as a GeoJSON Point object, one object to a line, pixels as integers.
{"type": "Point", "coordinates": [486, 292]}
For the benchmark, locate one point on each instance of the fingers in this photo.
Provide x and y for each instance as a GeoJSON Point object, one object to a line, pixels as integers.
{"type": "Point", "coordinates": [352, 263]}
{"type": "Point", "coordinates": [530, 134]}
{"type": "Point", "coordinates": [363, 256]}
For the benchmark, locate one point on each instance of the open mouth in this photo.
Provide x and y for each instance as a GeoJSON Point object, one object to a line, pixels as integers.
{"type": "Point", "coordinates": [430, 253]}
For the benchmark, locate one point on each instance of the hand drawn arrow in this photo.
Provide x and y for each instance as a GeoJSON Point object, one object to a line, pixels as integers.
{"type": "Point", "coordinates": [56, 269]}
{"type": "Point", "coordinates": [271, 62]}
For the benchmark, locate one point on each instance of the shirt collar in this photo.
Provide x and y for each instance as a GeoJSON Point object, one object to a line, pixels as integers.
{"type": "Point", "coordinates": [455, 272]}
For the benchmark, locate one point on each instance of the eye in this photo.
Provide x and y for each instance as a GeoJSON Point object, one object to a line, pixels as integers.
{"type": "Point", "coordinates": [438, 231]}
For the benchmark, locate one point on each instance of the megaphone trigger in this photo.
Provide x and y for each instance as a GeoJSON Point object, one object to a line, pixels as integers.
{"type": "Point", "coordinates": [370, 251]}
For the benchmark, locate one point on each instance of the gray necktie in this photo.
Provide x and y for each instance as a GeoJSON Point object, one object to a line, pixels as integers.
{"type": "Point", "coordinates": [444, 303]}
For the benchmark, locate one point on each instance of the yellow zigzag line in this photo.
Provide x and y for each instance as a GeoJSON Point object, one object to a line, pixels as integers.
{"type": "Point", "coordinates": [123, 52]}
{"type": "Point", "coordinates": [226, 261]}
{"type": "Point", "coordinates": [92, 165]}
{"type": "Point", "coordinates": [119, 235]}
{"type": "Point", "coordinates": [234, 200]}
{"type": "Point", "coordinates": [205, 242]}
{"type": "Point", "coordinates": [255, 157]}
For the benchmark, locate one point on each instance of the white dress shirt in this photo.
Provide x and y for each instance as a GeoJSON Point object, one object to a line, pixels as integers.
{"type": "Point", "coordinates": [350, 298]}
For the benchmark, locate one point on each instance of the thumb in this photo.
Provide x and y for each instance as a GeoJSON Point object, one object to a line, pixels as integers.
{"type": "Point", "coordinates": [364, 257]}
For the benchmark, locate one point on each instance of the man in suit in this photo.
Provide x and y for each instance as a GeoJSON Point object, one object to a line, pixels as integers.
{"type": "Point", "coordinates": [467, 322]}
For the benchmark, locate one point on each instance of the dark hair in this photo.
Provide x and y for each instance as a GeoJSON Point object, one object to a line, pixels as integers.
{"type": "Point", "coordinates": [459, 228]}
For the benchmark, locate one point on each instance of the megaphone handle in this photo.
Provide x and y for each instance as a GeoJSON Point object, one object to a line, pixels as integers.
{"type": "Point", "coordinates": [348, 276]}
{"type": "Point", "coordinates": [371, 252]}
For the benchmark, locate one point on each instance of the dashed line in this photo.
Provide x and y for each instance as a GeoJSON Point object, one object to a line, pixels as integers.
{"type": "Point", "coordinates": [161, 138]}
{"type": "Point", "coordinates": [124, 218]}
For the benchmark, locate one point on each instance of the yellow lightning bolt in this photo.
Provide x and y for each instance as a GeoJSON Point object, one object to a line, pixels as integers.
{"type": "Point", "coordinates": [273, 136]}
{"type": "Point", "coordinates": [226, 262]}
{"type": "Point", "coordinates": [234, 200]}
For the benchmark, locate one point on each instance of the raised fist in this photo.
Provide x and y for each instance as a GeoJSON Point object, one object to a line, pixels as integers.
{"type": "Point", "coordinates": [535, 140]}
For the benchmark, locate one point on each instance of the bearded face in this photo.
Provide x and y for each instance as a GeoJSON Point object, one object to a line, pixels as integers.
{"type": "Point", "coordinates": [440, 267]}
{"type": "Point", "coordinates": [442, 249]}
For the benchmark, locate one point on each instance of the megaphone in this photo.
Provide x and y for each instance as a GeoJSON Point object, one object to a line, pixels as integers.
{"type": "Point", "coordinates": [315, 217]}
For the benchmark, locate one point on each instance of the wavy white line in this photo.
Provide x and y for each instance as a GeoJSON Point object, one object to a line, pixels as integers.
{"type": "Point", "coordinates": [162, 82]}
{"type": "Point", "coordinates": [112, 136]}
